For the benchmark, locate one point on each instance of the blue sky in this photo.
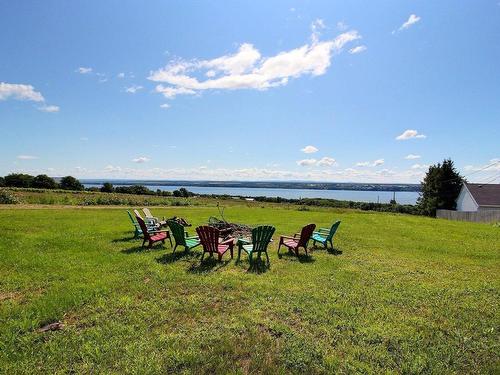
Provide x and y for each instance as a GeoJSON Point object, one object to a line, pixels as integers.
{"type": "Point", "coordinates": [250, 90]}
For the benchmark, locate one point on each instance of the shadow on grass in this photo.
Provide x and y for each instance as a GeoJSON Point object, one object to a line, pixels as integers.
{"type": "Point", "coordinates": [207, 265]}
{"type": "Point", "coordinates": [139, 249]}
{"type": "Point", "coordinates": [302, 258]}
{"type": "Point", "coordinates": [329, 250]}
{"type": "Point", "coordinates": [258, 265]}
{"type": "Point", "coordinates": [174, 257]}
{"type": "Point", "coordinates": [125, 239]}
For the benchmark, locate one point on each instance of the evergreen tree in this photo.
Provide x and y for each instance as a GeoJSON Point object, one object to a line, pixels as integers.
{"type": "Point", "coordinates": [440, 188]}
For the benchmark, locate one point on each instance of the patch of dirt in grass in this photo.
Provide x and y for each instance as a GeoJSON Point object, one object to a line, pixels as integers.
{"type": "Point", "coordinates": [16, 296]}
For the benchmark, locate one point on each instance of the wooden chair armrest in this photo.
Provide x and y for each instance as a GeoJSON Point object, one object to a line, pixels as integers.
{"type": "Point", "coordinates": [292, 238]}
{"type": "Point", "coordinates": [226, 242]}
{"type": "Point", "coordinates": [323, 230]}
{"type": "Point", "coordinates": [192, 238]}
{"type": "Point", "coordinates": [296, 234]}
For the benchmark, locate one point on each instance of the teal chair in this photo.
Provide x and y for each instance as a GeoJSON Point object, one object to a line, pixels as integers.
{"type": "Point", "coordinates": [261, 237]}
{"type": "Point", "coordinates": [325, 235]}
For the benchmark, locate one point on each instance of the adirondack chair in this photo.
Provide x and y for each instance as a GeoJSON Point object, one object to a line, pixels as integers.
{"type": "Point", "coordinates": [152, 236]}
{"type": "Point", "coordinates": [325, 235]}
{"type": "Point", "coordinates": [294, 243]}
{"type": "Point", "coordinates": [210, 240]}
{"type": "Point", "coordinates": [182, 237]}
{"type": "Point", "coordinates": [149, 222]}
{"type": "Point", "coordinates": [150, 217]}
{"type": "Point", "coordinates": [261, 237]}
{"type": "Point", "coordinates": [137, 227]}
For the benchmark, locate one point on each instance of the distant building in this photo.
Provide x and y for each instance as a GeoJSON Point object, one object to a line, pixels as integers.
{"type": "Point", "coordinates": [479, 197]}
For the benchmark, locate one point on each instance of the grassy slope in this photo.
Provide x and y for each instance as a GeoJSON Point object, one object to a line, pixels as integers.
{"type": "Point", "coordinates": [407, 294]}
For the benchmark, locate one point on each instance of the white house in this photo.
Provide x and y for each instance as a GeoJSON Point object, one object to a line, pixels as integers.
{"type": "Point", "coordinates": [479, 197]}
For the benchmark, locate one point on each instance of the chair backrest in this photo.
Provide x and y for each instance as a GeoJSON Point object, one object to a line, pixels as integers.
{"type": "Point", "coordinates": [143, 226]}
{"type": "Point", "coordinates": [147, 213]}
{"type": "Point", "coordinates": [177, 232]}
{"type": "Point", "coordinates": [305, 234]}
{"type": "Point", "coordinates": [261, 236]}
{"type": "Point", "coordinates": [333, 229]}
{"type": "Point", "coordinates": [209, 238]}
{"type": "Point", "coordinates": [138, 214]}
{"type": "Point", "coordinates": [131, 218]}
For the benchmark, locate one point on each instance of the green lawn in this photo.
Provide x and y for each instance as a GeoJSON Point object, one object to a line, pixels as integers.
{"type": "Point", "coordinates": [407, 294]}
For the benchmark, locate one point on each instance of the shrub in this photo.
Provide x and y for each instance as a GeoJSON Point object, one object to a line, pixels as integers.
{"type": "Point", "coordinates": [7, 198]}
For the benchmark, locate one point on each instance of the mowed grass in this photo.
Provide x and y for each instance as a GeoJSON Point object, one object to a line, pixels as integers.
{"type": "Point", "coordinates": [402, 294]}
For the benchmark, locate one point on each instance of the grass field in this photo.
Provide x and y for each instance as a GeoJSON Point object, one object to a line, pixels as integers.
{"type": "Point", "coordinates": [404, 294]}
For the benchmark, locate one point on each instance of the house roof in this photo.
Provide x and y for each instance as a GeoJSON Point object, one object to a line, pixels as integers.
{"type": "Point", "coordinates": [485, 194]}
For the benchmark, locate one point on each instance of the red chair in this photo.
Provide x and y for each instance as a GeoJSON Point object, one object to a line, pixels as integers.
{"type": "Point", "coordinates": [293, 243]}
{"type": "Point", "coordinates": [209, 238]}
{"type": "Point", "coordinates": [151, 235]}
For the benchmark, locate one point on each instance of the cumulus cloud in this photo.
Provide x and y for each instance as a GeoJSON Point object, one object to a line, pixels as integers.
{"type": "Point", "coordinates": [412, 20]}
{"type": "Point", "coordinates": [409, 134]}
{"type": "Point", "coordinates": [27, 157]}
{"type": "Point", "coordinates": [141, 159]}
{"type": "Point", "coordinates": [374, 163]}
{"type": "Point", "coordinates": [248, 69]}
{"type": "Point", "coordinates": [326, 162]}
{"type": "Point", "coordinates": [49, 108]}
{"type": "Point", "coordinates": [357, 49]}
{"type": "Point", "coordinates": [323, 162]}
{"type": "Point", "coordinates": [133, 89]}
{"type": "Point", "coordinates": [165, 105]}
{"type": "Point", "coordinates": [19, 92]}
{"type": "Point", "coordinates": [419, 166]}
{"type": "Point", "coordinates": [121, 75]}
{"type": "Point", "coordinates": [307, 162]}
{"type": "Point", "coordinates": [84, 70]}
{"type": "Point", "coordinates": [309, 149]}
{"type": "Point", "coordinates": [412, 157]}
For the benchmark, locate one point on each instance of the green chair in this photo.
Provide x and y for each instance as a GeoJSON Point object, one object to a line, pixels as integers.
{"type": "Point", "coordinates": [137, 227]}
{"type": "Point", "coordinates": [181, 237]}
{"type": "Point", "coordinates": [325, 236]}
{"type": "Point", "coordinates": [261, 237]}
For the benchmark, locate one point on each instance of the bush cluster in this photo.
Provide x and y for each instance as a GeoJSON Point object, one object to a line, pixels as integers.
{"type": "Point", "coordinates": [42, 181]}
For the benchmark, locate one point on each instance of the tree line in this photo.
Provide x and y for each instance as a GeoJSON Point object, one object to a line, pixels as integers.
{"type": "Point", "coordinates": [42, 181]}
{"type": "Point", "coordinates": [439, 190]}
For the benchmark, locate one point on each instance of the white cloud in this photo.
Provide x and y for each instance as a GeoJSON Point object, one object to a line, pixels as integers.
{"type": "Point", "coordinates": [49, 108]}
{"type": "Point", "coordinates": [326, 162]}
{"type": "Point", "coordinates": [419, 166]}
{"type": "Point", "coordinates": [83, 70]}
{"type": "Point", "coordinates": [133, 89]}
{"type": "Point", "coordinates": [342, 26]}
{"type": "Point", "coordinates": [412, 20]}
{"type": "Point", "coordinates": [307, 162]}
{"type": "Point", "coordinates": [165, 105]}
{"type": "Point", "coordinates": [121, 75]}
{"type": "Point", "coordinates": [409, 134]}
{"type": "Point", "coordinates": [27, 157]}
{"type": "Point", "coordinates": [412, 157]}
{"type": "Point", "coordinates": [248, 69]}
{"type": "Point", "coordinates": [84, 139]}
{"type": "Point", "coordinates": [374, 163]}
{"type": "Point", "coordinates": [357, 49]}
{"type": "Point", "coordinates": [110, 169]}
{"type": "Point", "coordinates": [19, 92]}
{"type": "Point", "coordinates": [141, 159]}
{"type": "Point", "coordinates": [309, 149]}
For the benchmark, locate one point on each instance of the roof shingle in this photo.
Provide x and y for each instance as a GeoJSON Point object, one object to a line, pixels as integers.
{"type": "Point", "coordinates": [485, 194]}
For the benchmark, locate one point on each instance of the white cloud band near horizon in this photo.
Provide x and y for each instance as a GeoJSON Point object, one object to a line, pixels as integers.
{"type": "Point", "coordinates": [248, 69]}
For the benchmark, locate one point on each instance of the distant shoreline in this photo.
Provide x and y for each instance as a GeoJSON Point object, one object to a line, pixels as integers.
{"type": "Point", "coordinates": [265, 184]}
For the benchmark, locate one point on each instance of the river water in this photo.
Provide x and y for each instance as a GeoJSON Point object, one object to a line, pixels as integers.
{"type": "Point", "coordinates": [403, 197]}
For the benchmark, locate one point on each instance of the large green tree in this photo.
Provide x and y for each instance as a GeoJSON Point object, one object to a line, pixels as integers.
{"type": "Point", "coordinates": [440, 188]}
{"type": "Point", "coordinates": [18, 180]}
{"type": "Point", "coordinates": [70, 183]}
{"type": "Point", "coordinates": [42, 181]}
